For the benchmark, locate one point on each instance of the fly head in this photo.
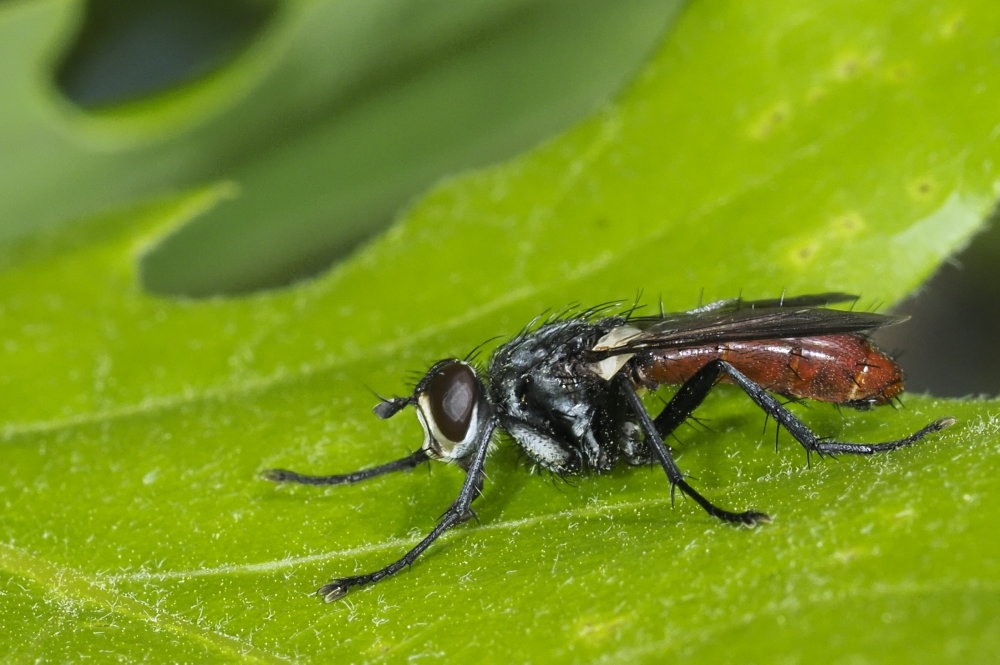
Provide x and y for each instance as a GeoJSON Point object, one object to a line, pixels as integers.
{"type": "Point", "coordinates": [452, 406]}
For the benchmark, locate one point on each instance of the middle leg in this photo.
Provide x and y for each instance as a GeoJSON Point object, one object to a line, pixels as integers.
{"type": "Point", "coordinates": [659, 450]}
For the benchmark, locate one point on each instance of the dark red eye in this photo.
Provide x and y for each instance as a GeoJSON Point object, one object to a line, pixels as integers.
{"type": "Point", "coordinates": [451, 395]}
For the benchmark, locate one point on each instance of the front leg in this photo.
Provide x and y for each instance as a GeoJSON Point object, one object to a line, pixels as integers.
{"type": "Point", "coordinates": [457, 512]}
{"type": "Point", "coordinates": [286, 476]}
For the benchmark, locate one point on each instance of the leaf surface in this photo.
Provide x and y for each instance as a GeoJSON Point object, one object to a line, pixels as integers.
{"type": "Point", "coordinates": [763, 149]}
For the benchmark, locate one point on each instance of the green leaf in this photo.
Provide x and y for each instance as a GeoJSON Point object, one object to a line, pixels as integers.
{"type": "Point", "coordinates": [764, 148]}
{"type": "Point", "coordinates": [340, 113]}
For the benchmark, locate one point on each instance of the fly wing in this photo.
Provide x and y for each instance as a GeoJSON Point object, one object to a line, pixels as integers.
{"type": "Point", "coordinates": [730, 321]}
{"type": "Point", "coordinates": [813, 300]}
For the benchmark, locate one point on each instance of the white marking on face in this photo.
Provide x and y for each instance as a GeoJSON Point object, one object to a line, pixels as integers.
{"type": "Point", "coordinates": [436, 443]}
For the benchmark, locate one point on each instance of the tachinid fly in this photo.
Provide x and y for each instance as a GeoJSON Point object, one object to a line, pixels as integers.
{"type": "Point", "coordinates": [567, 391]}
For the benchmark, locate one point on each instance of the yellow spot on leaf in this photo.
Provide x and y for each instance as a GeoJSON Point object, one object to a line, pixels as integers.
{"type": "Point", "coordinates": [380, 647]}
{"type": "Point", "coordinates": [596, 630]}
{"type": "Point", "coordinates": [848, 224]}
{"type": "Point", "coordinates": [952, 26]}
{"type": "Point", "coordinates": [847, 68]}
{"type": "Point", "coordinates": [852, 554]}
{"type": "Point", "coordinates": [816, 94]}
{"type": "Point", "coordinates": [803, 254]}
{"type": "Point", "coordinates": [922, 188]}
{"type": "Point", "coordinates": [851, 65]}
{"type": "Point", "coordinates": [771, 120]}
{"type": "Point", "coordinates": [899, 72]}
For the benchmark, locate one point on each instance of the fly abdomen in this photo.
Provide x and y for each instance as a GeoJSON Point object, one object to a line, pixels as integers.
{"type": "Point", "coordinates": [843, 369]}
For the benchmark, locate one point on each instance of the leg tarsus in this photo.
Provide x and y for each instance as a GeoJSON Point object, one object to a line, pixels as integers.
{"type": "Point", "coordinates": [459, 511]}
{"type": "Point", "coordinates": [831, 448]}
{"type": "Point", "coordinates": [338, 587]}
{"type": "Point", "coordinates": [749, 518]}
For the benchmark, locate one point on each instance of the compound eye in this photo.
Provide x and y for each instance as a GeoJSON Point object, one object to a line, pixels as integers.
{"type": "Point", "coordinates": [450, 396]}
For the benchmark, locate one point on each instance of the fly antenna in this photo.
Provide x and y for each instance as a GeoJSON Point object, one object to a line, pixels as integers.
{"type": "Point", "coordinates": [389, 407]}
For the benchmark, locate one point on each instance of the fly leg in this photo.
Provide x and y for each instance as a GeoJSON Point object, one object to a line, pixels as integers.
{"type": "Point", "coordinates": [285, 476]}
{"type": "Point", "coordinates": [694, 390]}
{"type": "Point", "coordinates": [683, 403]}
{"type": "Point", "coordinates": [457, 512]}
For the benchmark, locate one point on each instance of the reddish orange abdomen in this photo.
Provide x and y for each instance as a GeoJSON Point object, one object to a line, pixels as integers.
{"type": "Point", "coordinates": [843, 369]}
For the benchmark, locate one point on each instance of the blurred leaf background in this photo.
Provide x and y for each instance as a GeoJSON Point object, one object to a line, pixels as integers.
{"type": "Point", "coordinates": [330, 133]}
{"type": "Point", "coordinates": [330, 115]}
{"type": "Point", "coordinates": [275, 142]}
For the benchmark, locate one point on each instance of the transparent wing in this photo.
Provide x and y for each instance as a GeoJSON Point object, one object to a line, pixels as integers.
{"type": "Point", "coordinates": [736, 320]}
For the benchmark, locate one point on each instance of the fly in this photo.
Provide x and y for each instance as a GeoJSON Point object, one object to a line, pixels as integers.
{"type": "Point", "coordinates": [567, 391]}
